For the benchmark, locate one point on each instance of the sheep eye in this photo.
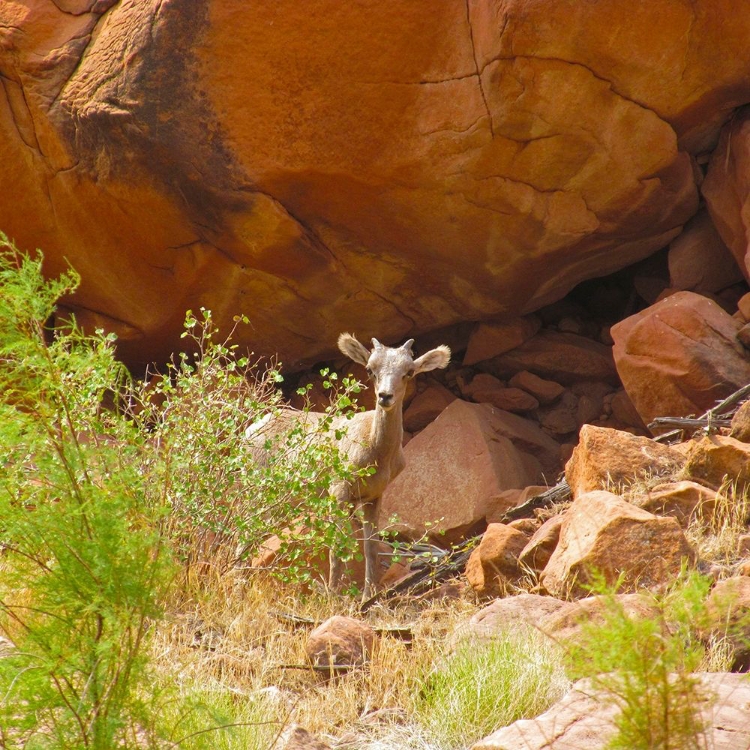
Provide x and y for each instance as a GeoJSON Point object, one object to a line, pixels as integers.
{"type": "Point", "coordinates": [409, 374]}
{"type": "Point", "coordinates": [369, 371]}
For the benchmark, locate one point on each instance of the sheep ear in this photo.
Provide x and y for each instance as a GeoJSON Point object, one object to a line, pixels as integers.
{"type": "Point", "coordinates": [353, 348]}
{"type": "Point", "coordinates": [433, 360]}
{"type": "Point", "coordinates": [408, 345]}
{"type": "Point", "coordinates": [376, 344]}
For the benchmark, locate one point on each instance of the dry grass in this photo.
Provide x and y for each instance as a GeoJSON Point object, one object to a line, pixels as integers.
{"type": "Point", "coordinates": [229, 633]}
{"type": "Point", "coordinates": [715, 532]}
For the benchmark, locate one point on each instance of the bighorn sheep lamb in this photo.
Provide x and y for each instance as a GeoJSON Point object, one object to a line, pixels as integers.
{"type": "Point", "coordinates": [374, 438]}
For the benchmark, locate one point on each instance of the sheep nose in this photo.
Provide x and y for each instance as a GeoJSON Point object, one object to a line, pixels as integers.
{"type": "Point", "coordinates": [385, 399]}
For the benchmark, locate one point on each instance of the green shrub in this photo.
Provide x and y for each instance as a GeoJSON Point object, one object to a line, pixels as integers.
{"type": "Point", "coordinates": [644, 666]}
{"type": "Point", "coordinates": [226, 493]}
{"type": "Point", "coordinates": [109, 492]}
{"type": "Point", "coordinates": [483, 686]}
{"type": "Point", "coordinates": [84, 571]}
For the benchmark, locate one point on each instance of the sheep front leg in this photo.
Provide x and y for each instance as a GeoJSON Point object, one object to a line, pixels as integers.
{"type": "Point", "coordinates": [370, 549]}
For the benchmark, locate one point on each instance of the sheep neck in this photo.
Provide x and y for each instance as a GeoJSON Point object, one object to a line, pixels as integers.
{"type": "Point", "coordinates": [387, 430]}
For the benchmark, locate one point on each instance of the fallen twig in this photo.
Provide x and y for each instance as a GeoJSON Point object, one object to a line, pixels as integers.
{"type": "Point", "coordinates": [716, 417]}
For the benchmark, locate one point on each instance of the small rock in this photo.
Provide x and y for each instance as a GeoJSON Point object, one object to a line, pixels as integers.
{"type": "Point", "coordinates": [740, 429]}
{"type": "Point", "coordinates": [622, 409]}
{"type": "Point", "coordinates": [743, 306]}
{"type": "Point", "coordinates": [499, 505]}
{"type": "Point", "coordinates": [718, 460]}
{"type": "Point", "coordinates": [487, 389]}
{"type": "Point", "coordinates": [340, 641]}
{"type": "Point", "coordinates": [681, 500]}
{"type": "Point", "coordinates": [562, 417]}
{"type": "Point", "coordinates": [494, 563]}
{"type": "Point", "coordinates": [537, 552]}
{"type": "Point", "coordinates": [544, 391]}
{"type": "Point", "coordinates": [525, 525]}
{"type": "Point", "coordinates": [563, 357]}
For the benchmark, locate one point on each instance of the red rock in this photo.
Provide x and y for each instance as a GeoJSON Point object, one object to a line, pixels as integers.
{"type": "Point", "coordinates": [544, 391]}
{"type": "Point", "coordinates": [497, 618]}
{"type": "Point", "coordinates": [699, 260]}
{"type": "Point", "coordinates": [625, 412]}
{"type": "Point", "coordinates": [486, 389]}
{"type": "Point", "coordinates": [340, 641]}
{"type": "Point", "coordinates": [740, 429]}
{"type": "Point", "coordinates": [718, 460]}
{"type": "Point", "coordinates": [606, 459]}
{"type": "Point", "coordinates": [426, 406]}
{"type": "Point", "coordinates": [457, 466]}
{"type": "Point", "coordinates": [586, 719]}
{"type": "Point", "coordinates": [562, 357]}
{"type": "Point", "coordinates": [404, 172]}
{"type": "Point", "coordinates": [493, 565]}
{"type": "Point", "coordinates": [538, 550]}
{"type": "Point", "coordinates": [510, 499]}
{"type": "Point", "coordinates": [603, 533]}
{"type": "Point", "coordinates": [727, 608]}
{"type": "Point", "coordinates": [680, 356]}
{"type": "Point", "coordinates": [561, 418]}
{"type": "Point", "coordinates": [490, 339]}
{"type": "Point", "coordinates": [681, 500]}
{"type": "Point", "coordinates": [480, 382]}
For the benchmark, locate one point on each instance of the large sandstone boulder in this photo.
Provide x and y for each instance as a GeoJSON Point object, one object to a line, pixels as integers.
{"type": "Point", "coordinates": [602, 534]}
{"type": "Point", "coordinates": [457, 468]}
{"type": "Point", "coordinates": [613, 459]}
{"type": "Point", "coordinates": [510, 613]}
{"type": "Point", "coordinates": [727, 188]}
{"type": "Point", "coordinates": [679, 356]}
{"type": "Point", "coordinates": [699, 261]}
{"type": "Point", "coordinates": [585, 719]}
{"type": "Point", "coordinates": [324, 166]}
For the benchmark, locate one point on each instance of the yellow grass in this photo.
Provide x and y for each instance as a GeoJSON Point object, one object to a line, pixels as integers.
{"type": "Point", "coordinates": [230, 633]}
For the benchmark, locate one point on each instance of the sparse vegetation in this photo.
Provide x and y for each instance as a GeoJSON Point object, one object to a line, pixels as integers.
{"type": "Point", "coordinates": [128, 512]}
{"type": "Point", "coordinates": [715, 530]}
{"type": "Point", "coordinates": [486, 685]}
{"type": "Point", "coordinates": [645, 666]}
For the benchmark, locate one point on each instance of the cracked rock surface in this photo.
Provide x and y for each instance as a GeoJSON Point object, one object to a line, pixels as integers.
{"type": "Point", "coordinates": [328, 166]}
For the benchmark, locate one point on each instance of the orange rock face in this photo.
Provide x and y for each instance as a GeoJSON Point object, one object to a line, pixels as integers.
{"type": "Point", "coordinates": [680, 356]}
{"type": "Point", "coordinates": [328, 166]}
